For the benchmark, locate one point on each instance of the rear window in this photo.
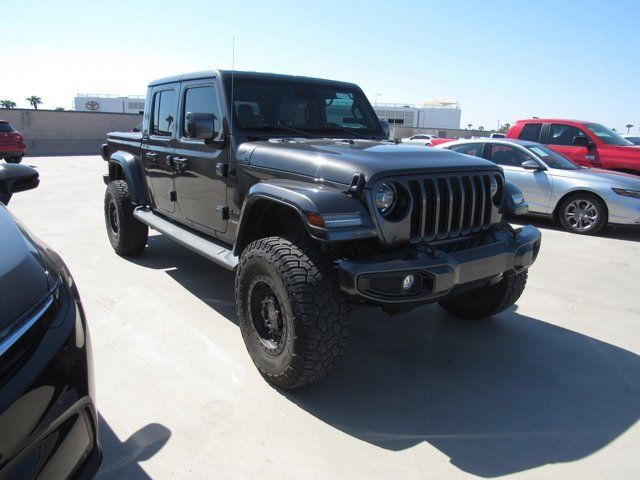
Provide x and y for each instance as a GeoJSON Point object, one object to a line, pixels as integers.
{"type": "Point", "coordinates": [531, 131]}
{"type": "Point", "coordinates": [6, 127]}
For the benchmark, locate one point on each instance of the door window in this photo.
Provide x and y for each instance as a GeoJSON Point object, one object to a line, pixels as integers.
{"type": "Point", "coordinates": [200, 100]}
{"type": "Point", "coordinates": [531, 132]}
{"type": "Point", "coordinates": [564, 134]}
{"type": "Point", "coordinates": [473, 149]}
{"type": "Point", "coordinates": [164, 107]}
{"type": "Point", "coordinates": [508, 156]}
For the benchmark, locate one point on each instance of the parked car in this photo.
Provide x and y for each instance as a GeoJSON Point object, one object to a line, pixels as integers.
{"type": "Point", "coordinates": [635, 139]}
{"type": "Point", "coordinates": [48, 419]}
{"type": "Point", "coordinates": [583, 200]}
{"type": "Point", "coordinates": [11, 143]}
{"type": "Point", "coordinates": [291, 182]}
{"type": "Point", "coordinates": [585, 143]}
{"type": "Point", "coordinates": [421, 139]}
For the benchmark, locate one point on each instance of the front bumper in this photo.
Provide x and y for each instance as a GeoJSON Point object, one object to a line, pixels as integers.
{"type": "Point", "coordinates": [438, 274]}
{"type": "Point", "coordinates": [48, 419]}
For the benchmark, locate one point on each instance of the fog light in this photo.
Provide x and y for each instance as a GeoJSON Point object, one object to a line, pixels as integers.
{"type": "Point", "coordinates": [408, 281]}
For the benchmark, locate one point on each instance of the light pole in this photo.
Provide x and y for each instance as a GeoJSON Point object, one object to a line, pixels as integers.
{"type": "Point", "coordinates": [375, 98]}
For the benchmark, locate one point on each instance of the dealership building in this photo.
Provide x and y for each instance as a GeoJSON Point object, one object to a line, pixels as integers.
{"type": "Point", "coordinates": [432, 114]}
{"type": "Point", "coordinates": [87, 102]}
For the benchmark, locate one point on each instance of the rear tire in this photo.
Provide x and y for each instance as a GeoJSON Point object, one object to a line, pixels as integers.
{"type": "Point", "coordinates": [16, 159]}
{"type": "Point", "coordinates": [292, 314]}
{"type": "Point", "coordinates": [582, 213]}
{"type": "Point", "coordinates": [127, 235]}
{"type": "Point", "coordinates": [487, 301]}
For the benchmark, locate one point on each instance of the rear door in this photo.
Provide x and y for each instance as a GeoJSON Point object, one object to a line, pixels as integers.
{"type": "Point", "coordinates": [158, 145]}
{"type": "Point", "coordinates": [201, 177]}
{"type": "Point", "coordinates": [561, 140]}
{"type": "Point", "coordinates": [536, 186]}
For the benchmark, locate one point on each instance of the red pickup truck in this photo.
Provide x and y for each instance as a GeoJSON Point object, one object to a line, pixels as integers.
{"type": "Point", "coordinates": [586, 143]}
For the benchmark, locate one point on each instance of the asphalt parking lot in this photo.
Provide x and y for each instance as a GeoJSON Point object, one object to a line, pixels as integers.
{"type": "Point", "coordinates": [550, 389]}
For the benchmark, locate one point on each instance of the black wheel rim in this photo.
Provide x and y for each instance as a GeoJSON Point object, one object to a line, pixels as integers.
{"type": "Point", "coordinates": [267, 315]}
{"type": "Point", "coordinates": [114, 221]}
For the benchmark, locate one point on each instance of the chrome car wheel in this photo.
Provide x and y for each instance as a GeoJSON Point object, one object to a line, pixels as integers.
{"type": "Point", "coordinates": [581, 215]}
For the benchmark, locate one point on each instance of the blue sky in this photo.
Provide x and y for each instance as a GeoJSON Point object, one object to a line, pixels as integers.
{"type": "Point", "coordinates": [500, 60]}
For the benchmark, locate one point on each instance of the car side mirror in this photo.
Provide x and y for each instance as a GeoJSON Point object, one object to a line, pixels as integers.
{"type": "Point", "coordinates": [16, 178]}
{"type": "Point", "coordinates": [583, 141]}
{"type": "Point", "coordinates": [532, 165]}
{"type": "Point", "coordinates": [201, 126]}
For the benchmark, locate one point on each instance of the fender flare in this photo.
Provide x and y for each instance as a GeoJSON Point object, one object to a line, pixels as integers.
{"type": "Point", "coordinates": [303, 198]}
{"type": "Point", "coordinates": [132, 170]}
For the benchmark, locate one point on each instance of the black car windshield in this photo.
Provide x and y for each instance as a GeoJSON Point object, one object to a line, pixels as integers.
{"type": "Point", "coordinates": [282, 107]}
{"type": "Point", "coordinates": [6, 127]}
{"type": "Point", "coordinates": [607, 135]}
{"type": "Point", "coordinates": [552, 159]}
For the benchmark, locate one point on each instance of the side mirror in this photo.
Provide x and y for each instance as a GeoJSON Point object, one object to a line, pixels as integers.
{"type": "Point", "coordinates": [16, 178]}
{"type": "Point", "coordinates": [532, 165]}
{"type": "Point", "coordinates": [583, 141]}
{"type": "Point", "coordinates": [201, 126]}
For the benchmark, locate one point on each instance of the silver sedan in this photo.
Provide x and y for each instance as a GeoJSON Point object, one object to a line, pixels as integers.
{"type": "Point", "coordinates": [583, 200]}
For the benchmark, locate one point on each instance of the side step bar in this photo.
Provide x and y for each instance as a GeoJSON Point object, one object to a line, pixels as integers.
{"type": "Point", "coordinates": [209, 248]}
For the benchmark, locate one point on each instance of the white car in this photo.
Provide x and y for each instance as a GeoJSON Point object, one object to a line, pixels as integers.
{"type": "Point", "coordinates": [420, 139]}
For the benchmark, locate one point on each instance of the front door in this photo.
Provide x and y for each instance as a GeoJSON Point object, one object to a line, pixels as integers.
{"type": "Point", "coordinates": [201, 166]}
{"type": "Point", "coordinates": [561, 140]}
{"type": "Point", "coordinates": [158, 146]}
{"type": "Point", "coordinates": [535, 186]}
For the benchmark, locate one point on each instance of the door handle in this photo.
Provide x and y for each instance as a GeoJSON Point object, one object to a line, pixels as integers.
{"type": "Point", "coordinates": [151, 155]}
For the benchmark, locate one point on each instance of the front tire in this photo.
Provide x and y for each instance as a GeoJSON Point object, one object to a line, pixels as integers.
{"type": "Point", "coordinates": [582, 213]}
{"type": "Point", "coordinates": [487, 301]}
{"type": "Point", "coordinates": [292, 315]}
{"type": "Point", "coordinates": [127, 234]}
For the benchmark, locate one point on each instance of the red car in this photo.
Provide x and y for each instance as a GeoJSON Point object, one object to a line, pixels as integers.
{"type": "Point", "coordinates": [11, 143]}
{"type": "Point", "coordinates": [586, 143]}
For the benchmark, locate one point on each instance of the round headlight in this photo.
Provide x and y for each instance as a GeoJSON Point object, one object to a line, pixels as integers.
{"type": "Point", "coordinates": [385, 198]}
{"type": "Point", "coordinates": [494, 186]}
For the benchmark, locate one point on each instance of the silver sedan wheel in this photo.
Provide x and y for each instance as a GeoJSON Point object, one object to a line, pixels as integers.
{"type": "Point", "coordinates": [581, 215]}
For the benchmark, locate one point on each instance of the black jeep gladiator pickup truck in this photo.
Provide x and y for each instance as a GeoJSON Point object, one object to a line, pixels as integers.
{"type": "Point", "coordinates": [291, 182]}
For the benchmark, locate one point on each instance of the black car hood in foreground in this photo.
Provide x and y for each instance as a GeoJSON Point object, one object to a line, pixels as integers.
{"type": "Point", "coordinates": [338, 160]}
{"type": "Point", "coordinates": [23, 281]}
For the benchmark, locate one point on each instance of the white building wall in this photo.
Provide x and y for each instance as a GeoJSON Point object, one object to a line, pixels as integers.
{"type": "Point", "coordinates": [109, 104]}
{"type": "Point", "coordinates": [419, 117]}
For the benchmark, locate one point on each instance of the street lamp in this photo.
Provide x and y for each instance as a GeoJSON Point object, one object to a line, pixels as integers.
{"type": "Point", "coordinates": [375, 98]}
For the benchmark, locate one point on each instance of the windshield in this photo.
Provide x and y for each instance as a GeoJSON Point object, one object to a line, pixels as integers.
{"type": "Point", "coordinates": [553, 159]}
{"type": "Point", "coordinates": [606, 135]}
{"type": "Point", "coordinates": [634, 140]}
{"type": "Point", "coordinates": [280, 106]}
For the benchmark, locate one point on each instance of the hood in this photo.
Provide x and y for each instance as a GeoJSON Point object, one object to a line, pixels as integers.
{"type": "Point", "coordinates": [23, 281]}
{"type": "Point", "coordinates": [337, 160]}
{"type": "Point", "coordinates": [609, 177]}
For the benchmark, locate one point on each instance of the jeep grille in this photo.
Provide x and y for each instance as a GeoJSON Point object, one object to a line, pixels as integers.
{"type": "Point", "coordinates": [451, 205]}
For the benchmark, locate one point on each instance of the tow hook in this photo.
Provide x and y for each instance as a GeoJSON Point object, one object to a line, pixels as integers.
{"type": "Point", "coordinates": [514, 232]}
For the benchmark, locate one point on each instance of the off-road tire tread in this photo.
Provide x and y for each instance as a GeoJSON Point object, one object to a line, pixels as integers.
{"type": "Point", "coordinates": [133, 233]}
{"type": "Point", "coordinates": [317, 302]}
{"type": "Point", "coordinates": [488, 301]}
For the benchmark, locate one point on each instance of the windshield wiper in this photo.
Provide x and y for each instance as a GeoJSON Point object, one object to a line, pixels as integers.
{"type": "Point", "coordinates": [333, 127]}
{"type": "Point", "coordinates": [274, 128]}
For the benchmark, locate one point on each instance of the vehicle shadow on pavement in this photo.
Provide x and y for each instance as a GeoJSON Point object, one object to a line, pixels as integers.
{"type": "Point", "coordinates": [122, 459]}
{"type": "Point", "coordinates": [630, 233]}
{"type": "Point", "coordinates": [496, 397]}
{"type": "Point", "coordinates": [209, 282]}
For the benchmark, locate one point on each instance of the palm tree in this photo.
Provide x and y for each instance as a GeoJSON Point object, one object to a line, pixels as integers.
{"type": "Point", "coordinates": [481, 128]}
{"type": "Point", "coordinates": [504, 128]}
{"type": "Point", "coordinates": [34, 101]}
{"type": "Point", "coordinates": [59, 109]}
{"type": "Point", "coordinates": [629, 126]}
{"type": "Point", "coordinates": [614, 130]}
{"type": "Point", "coordinates": [469, 125]}
{"type": "Point", "coordinates": [7, 104]}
